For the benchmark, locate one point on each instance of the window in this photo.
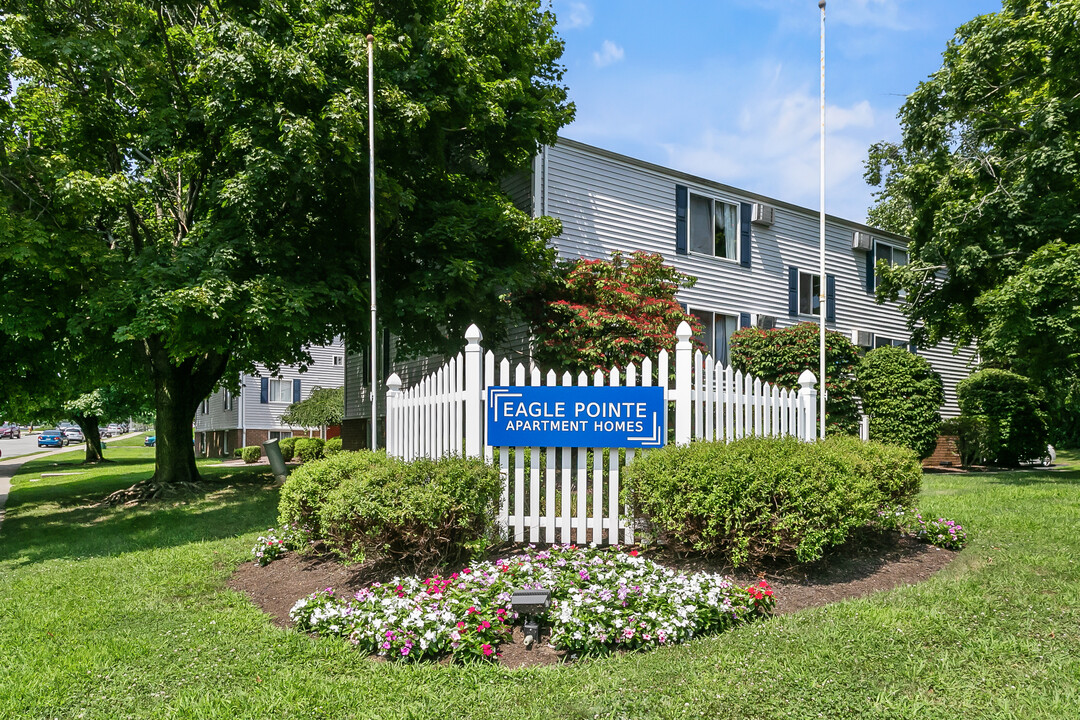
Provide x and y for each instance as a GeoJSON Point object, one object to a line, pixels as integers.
{"type": "Point", "coordinates": [891, 254]}
{"type": "Point", "coordinates": [880, 341]}
{"type": "Point", "coordinates": [716, 333]}
{"type": "Point", "coordinates": [809, 294]}
{"type": "Point", "coordinates": [279, 434]}
{"type": "Point", "coordinates": [338, 361]}
{"type": "Point", "coordinates": [206, 406]}
{"type": "Point", "coordinates": [227, 400]}
{"type": "Point", "coordinates": [280, 391]}
{"type": "Point", "coordinates": [714, 227]}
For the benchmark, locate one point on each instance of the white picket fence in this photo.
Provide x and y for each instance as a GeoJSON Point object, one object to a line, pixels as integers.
{"type": "Point", "coordinates": [572, 494]}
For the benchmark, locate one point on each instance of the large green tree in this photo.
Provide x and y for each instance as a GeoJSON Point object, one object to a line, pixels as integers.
{"type": "Point", "coordinates": [206, 164]}
{"type": "Point", "coordinates": [986, 183]}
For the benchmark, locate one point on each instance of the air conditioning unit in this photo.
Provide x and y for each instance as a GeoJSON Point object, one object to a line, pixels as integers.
{"type": "Point", "coordinates": [765, 322]}
{"type": "Point", "coordinates": [862, 338]}
{"type": "Point", "coordinates": [763, 214]}
{"type": "Point", "coordinates": [862, 241]}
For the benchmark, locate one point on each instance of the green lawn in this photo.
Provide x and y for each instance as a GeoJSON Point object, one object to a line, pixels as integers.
{"type": "Point", "coordinates": [123, 613]}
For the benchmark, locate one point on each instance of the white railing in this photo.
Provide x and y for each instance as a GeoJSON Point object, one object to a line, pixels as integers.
{"type": "Point", "coordinates": [577, 499]}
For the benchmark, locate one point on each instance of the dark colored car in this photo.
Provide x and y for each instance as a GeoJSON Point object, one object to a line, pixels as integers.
{"type": "Point", "coordinates": [10, 431]}
{"type": "Point", "coordinates": [51, 438]}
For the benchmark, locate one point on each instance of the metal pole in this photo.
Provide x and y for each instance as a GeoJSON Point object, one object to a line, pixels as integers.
{"type": "Point", "coordinates": [822, 300]}
{"type": "Point", "coordinates": [371, 229]}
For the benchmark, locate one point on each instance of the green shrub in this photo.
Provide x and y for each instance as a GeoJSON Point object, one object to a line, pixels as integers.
{"type": "Point", "coordinates": [426, 512]}
{"type": "Point", "coordinates": [307, 487]}
{"type": "Point", "coordinates": [308, 449]}
{"type": "Point", "coordinates": [1012, 408]}
{"type": "Point", "coordinates": [238, 452]}
{"type": "Point", "coordinates": [780, 356]}
{"type": "Point", "coordinates": [902, 394]}
{"type": "Point", "coordinates": [768, 497]}
{"type": "Point", "coordinates": [287, 446]}
{"type": "Point", "coordinates": [332, 447]}
{"type": "Point", "coordinates": [251, 453]}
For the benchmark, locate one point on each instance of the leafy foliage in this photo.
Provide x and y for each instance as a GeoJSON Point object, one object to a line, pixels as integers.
{"type": "Point", "coordinates": [324, 407]}
{"type": "Point", "coordinates": [1012, 410]}
{"type": "Point", "coordinates": [985, 184]}
{"type": "Point", "coordinates": [287, 446]}
{"type": "Point", "coordinates": [972, 435]}
{"type": "Point", "coordinates": [202, 167]}
{"type": "Point", "coordinates": [308, 449]}
{"type": "Point", "coordinates": [597, 314]}
{"type": "Point", "coordinates": [332, 447]}
{"type": "Point", "coordinates": [780, 356]}
{"type": "Point", "coordinates": [251, 453]}
{"type": "Point", "coordinates": [366, 505]}
{"type": "Point", "coordinates": [902, 395]}
{"type": "Point", "coordinates": [768, 497]}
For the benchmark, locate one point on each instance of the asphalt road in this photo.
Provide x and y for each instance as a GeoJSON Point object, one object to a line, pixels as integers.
{"type": "Point", "coordinates": [25, 445]}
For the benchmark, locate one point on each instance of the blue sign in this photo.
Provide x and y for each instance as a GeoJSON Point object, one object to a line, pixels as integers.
{"type": "Point", "coordinates": [605, 417]}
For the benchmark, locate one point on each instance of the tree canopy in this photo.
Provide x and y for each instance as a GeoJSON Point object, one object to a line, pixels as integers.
{"type": "Point", "coordinates": [324, 407]}
{"type": "Point", "coordinates": [986, 183]}
{"type": "Point", "coordinates": [193, 175]}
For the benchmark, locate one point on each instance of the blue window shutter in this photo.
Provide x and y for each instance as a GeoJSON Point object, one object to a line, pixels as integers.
{"type": "Point", "coordinates": [685, 308]}
{"type": "Point", "coordinates": [296, 390]}
{"type": "Point", "coordinates": [744, 320]}
{"type": "Point", "coordinates": [745, 214]}
{"type": "Point", "coordinates": [682, 199]}
{"type": "Point", "coordinates": [830, 298]}
{"type": "Point", "coordinates": [914, 350]}
{"type": "Point", "coordinates": [870, 261]}
{"type": "Point", "coordinates": [793, 290]}
{"type": "Point", "coordinates": [264, 390]}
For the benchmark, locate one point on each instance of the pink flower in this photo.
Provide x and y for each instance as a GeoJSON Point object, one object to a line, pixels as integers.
{"type": "Point", "coordinates": [488, 650]}
{"type": "Point", "coordinates": [404, 651]}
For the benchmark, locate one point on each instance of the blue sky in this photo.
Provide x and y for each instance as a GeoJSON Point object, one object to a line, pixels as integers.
{"type": "Point", "coordinates": [728, 90]}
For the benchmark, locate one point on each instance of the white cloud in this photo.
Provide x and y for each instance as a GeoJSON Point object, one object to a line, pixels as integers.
{"type": "Point", "coordinates": [609, 53]}
{"type": "Point", "coordinates": [573, 15]}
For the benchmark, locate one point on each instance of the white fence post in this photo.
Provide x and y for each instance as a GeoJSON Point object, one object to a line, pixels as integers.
{"type": "Point", "coordinates": [808, 405]}
{"type": "Point", "coordinates": [474, 387]}
{"type": "Point", "coordinates": [393, 424]}
{"type": "Point", "coordinates": [683, 384]}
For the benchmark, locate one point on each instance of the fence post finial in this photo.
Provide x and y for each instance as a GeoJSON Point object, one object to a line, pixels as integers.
{"type": "Point", "coordinates": [684, 332]}
{"type": "Point", "coordinates": [393, 383]}
{"type": "Point", "coordinates": [808, 403]}
{"type": "Point", "coordinates": [473, 335]}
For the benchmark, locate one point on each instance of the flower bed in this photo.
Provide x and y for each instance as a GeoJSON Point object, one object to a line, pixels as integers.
{"type": "Point", "coordinates": [941, 532]}
{"type": "Point", "coordinates": [602, 600]}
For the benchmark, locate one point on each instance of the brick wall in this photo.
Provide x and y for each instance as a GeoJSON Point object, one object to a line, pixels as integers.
{"type": "Point", "coordinates": [945, 454]}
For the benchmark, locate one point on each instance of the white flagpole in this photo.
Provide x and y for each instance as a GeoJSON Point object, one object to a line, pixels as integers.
{"type": "Point", "coordinates": [822, 300]}
{"type": "Point", "coordinates": [371, 213]}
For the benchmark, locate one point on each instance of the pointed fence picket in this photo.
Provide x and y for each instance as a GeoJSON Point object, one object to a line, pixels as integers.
{"type": "Point", "coordinates": [572, 494]}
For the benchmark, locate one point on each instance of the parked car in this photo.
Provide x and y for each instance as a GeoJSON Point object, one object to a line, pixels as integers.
{"type": "Point", "coordinates": [10, 431]}
{"type": "Point", "coordinates": [73, 435]}
{"type": "Point", "coordinates": [113, 429]}
{"type": "Point", "coordinates": [51, 438]}
{"type": "Point", "coordinates": [150, 440]}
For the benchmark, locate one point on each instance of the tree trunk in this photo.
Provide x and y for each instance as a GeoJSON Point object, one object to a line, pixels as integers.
{"type": "Point", "coordinates": [91, 430]}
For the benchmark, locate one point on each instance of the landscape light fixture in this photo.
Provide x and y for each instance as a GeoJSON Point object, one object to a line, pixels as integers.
{"type": "Point", "coordinates": [528, 603]}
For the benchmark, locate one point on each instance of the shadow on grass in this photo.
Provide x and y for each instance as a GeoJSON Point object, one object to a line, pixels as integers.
{"type": "Point", "coordinates": [232, 502]}
{"type": "Point", "coordinates": [1033, 477]}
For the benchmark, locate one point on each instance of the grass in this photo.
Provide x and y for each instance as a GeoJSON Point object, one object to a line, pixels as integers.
{"type": "Point", "coordinates": [124, 613]}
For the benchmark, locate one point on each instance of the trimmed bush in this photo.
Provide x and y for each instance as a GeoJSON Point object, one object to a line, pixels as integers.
{"type": "Point", "coordinates": [308, 486]}
{"type": "Point", "coordinates": [287, 446]}
{"type": "Point", "coordinates": [780, 356]}
{"type": "Point", "coordinates": [768, 497]}
{"type": "Point", "coordinates": [972, 438]}
{"type": "Point", "coordinates": [251, 453]}
{"type": "Point", "coordinates": [902, 394]}
{"type": "Point", "coordinates": [332, 447]}
{"type": "Point", "coordinates": [1012, 408]}
{"type": "Point", "coordinates": [308, 449]}
{"type": "Point", "coordinates": [366, 505]}
{"type": "Point", "coordinates": [238, 452]}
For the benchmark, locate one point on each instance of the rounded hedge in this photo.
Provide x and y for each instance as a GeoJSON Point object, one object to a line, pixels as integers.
{"type": "Point", "coordinates": [902, 395]}
{"type": "Point", "coordinates": [365, 505]}
{"type": "Point", "coordinates": [308, 449]}
{"type": "Point", "coordinates": [287, 448]}
{"type": "Point", "coordinates": [251, 453]}
{"type": "Point", "coordinates": [1010, 408]}
{"type": "Point", "coordinates": [332, 447]}
{"type": "Point", "coordinates": [768, 497]}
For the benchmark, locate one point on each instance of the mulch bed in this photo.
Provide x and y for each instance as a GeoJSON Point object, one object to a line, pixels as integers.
{"type": "Point", "coordinates": [867, 564]}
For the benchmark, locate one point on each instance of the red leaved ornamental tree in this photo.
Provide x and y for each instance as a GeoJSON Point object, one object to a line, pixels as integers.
{"type": "Point", "coordinates": [596, 314]}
